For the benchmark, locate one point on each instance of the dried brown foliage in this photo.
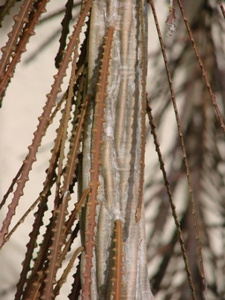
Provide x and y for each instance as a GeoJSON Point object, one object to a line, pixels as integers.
{"type": "Point", "coordinates": [99, 151]}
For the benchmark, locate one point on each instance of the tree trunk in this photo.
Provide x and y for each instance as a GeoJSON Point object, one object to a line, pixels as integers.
{"type": "Point", "coordinates": [114, 152]}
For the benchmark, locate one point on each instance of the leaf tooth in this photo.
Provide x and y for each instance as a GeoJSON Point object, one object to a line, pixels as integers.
{"type": "Point", "coordinates": [3, 49]}
{"type": "Point", "coordinates": [32, 32]}
{"type": "Point", "coordinates": [43, 10]}
{"type": "Point", "coordinates": [92, 184]}
{"type": "Point", "coordinates": [97, 115]}
{"type": "Point", "coordinates": [16, 18]}
{"type": "Point", "coordinates": [19, 181]}
{"type": "Point", "coordinates": [10, 75]}
{"type": "Point", "coordinates": [25, 19]}
{"type": "Point", "coordinates": [87, 276]}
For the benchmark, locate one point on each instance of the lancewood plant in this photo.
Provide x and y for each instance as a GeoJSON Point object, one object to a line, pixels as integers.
{"type": "Point", "coordinates": [99, 154]}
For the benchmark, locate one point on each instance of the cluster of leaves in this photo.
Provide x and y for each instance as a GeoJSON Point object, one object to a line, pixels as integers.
{"type": "Point", "coordinates": [47, 250]}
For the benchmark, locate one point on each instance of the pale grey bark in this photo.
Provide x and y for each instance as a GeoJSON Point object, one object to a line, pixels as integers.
{"type": "Point", "coordinates": [120, 178]}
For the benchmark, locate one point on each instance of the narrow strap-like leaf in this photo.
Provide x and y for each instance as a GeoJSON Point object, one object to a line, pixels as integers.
{"type": "Point", "coordinates": [96, 151]}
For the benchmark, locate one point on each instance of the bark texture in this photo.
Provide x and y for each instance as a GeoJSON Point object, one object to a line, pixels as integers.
{"type": "Point", "coordinates": [122, 152]}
